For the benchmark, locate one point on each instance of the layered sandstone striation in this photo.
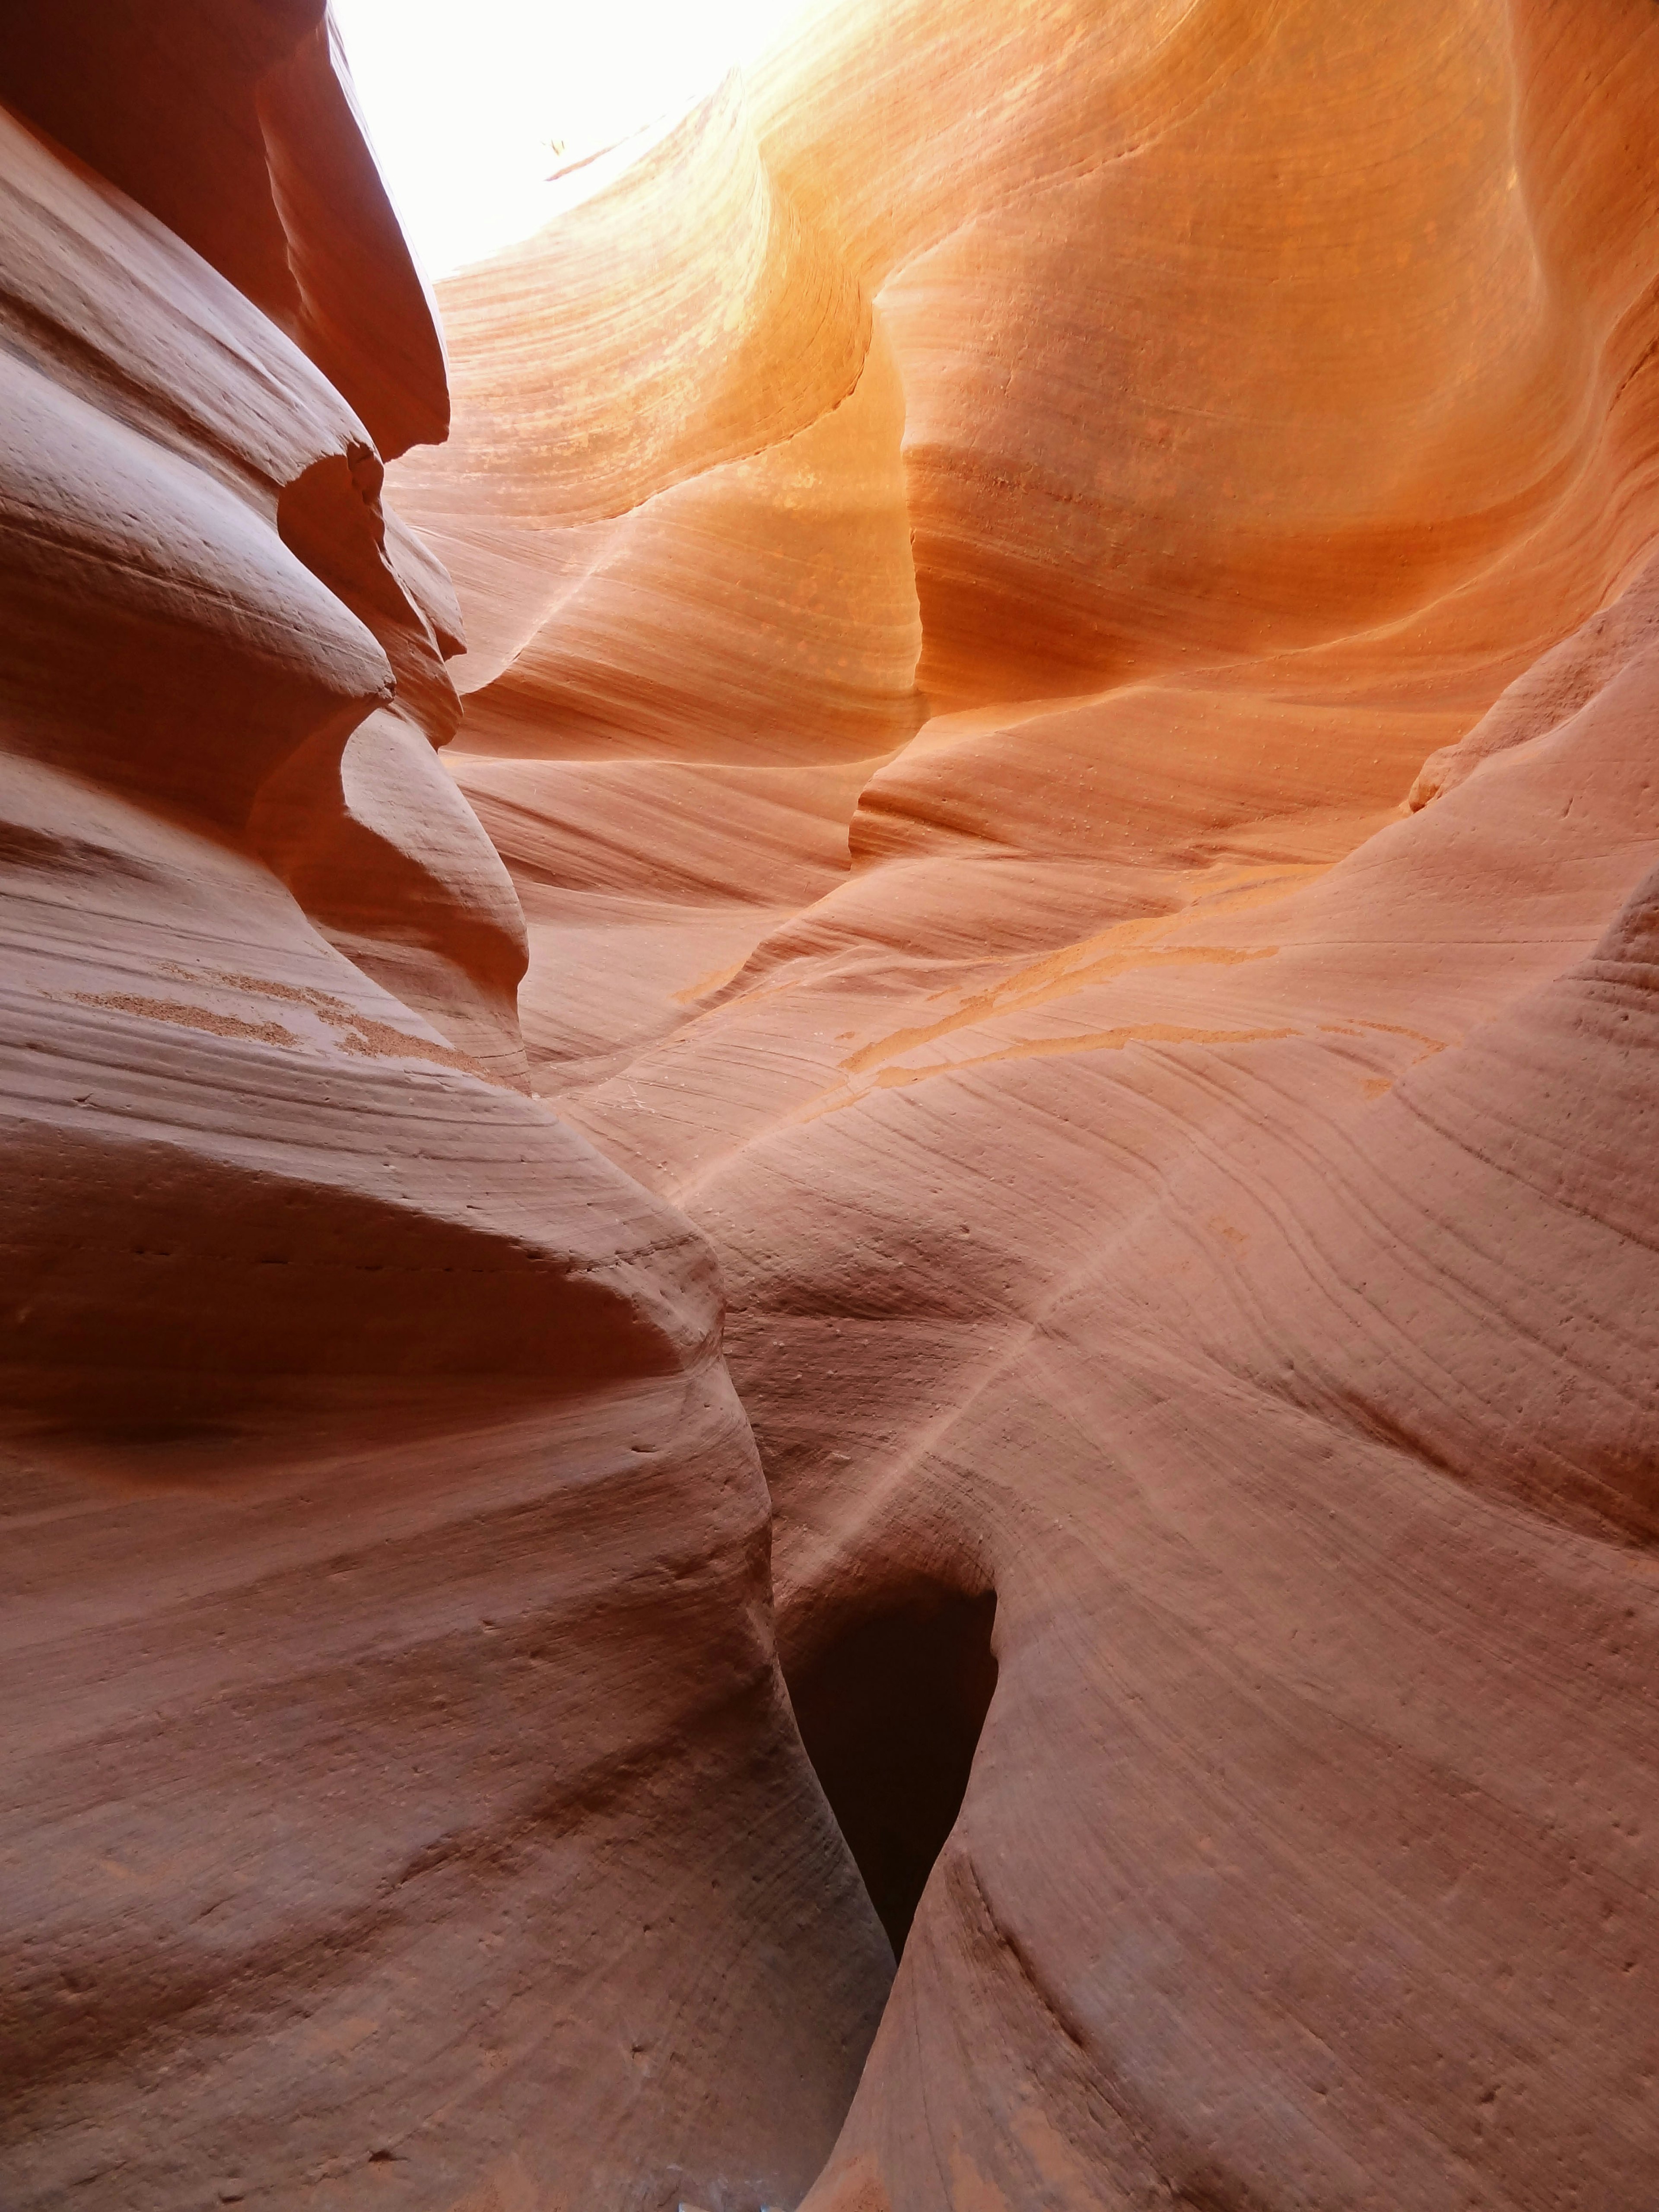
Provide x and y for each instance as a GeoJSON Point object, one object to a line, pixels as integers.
{"type": "Point", "coordinates": [1090, 819]}
{"type": "Point", "coordinates": [1000, 789]}
{"type": "Point", "coordinates": [394, 1719]}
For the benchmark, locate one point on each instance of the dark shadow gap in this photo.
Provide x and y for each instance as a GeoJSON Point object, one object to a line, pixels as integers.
{"type": "Point", "coordinates": [890, 1708]}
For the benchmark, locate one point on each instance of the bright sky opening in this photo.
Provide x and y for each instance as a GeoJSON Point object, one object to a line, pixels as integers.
{"type": "Point", "coordinates": [473, 104]}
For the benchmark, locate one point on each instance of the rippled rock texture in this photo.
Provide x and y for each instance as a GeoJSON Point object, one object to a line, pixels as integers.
{"type": "Point", "coordinates": [402, 1805]}
{"type": "Point", "coordinates": [1055, 629]}
{"type": "Point", "coordinates": [1064, 660]}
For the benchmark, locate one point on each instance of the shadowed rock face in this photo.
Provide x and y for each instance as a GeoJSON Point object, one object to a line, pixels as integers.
{"type": "Point", "coordinates": [1054, 632]}
{"type": "Point", "coordinates": [1176, 1120]}
{"type": "Point", "coordinates": [890, 1704]}
{"type": "Point", "coordinates": [402, 1802]}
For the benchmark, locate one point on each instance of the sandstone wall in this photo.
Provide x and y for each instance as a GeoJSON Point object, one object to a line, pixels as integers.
{"type": "Point", "coordinates": [1182, 1165]}
{"type": "Point", "coordinates": [401, 1803]}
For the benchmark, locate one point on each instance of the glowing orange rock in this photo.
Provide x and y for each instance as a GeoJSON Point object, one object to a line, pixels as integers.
{"type": "Point", "coordinates": [1164, 1184]}
{"type": "Point", "coordinates": [1061, 664]}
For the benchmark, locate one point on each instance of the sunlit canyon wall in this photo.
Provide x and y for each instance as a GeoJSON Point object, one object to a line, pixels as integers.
{"type": "Point", "coordinates": [1054, 633]}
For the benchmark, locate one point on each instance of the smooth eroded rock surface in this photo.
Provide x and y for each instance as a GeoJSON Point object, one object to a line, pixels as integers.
{"type": "Point", "coordinates": [402, 1804]}
{"type": "Point", "coordinates": [1181, 1167]}
{"type": "Point", "coordinates": [858, 1158]}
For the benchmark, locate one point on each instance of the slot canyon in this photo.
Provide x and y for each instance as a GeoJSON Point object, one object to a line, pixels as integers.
{"type": "Point", "coordinates": [830, 1123]}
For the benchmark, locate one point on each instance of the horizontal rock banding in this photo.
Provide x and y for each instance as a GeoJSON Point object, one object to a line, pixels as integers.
{"type": "Point", "coordinates": [1160, 1178]}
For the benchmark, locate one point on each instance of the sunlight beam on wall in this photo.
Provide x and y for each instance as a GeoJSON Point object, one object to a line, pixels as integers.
{"type": "Point", "coordinates": [472, 104]}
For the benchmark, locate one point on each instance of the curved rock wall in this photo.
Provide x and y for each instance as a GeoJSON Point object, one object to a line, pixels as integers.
{"type": "Point", "coordinates": [1181, 1166]}
{"type": "Point", "coordinates": [393, 1710]}
{"type": "Point", "coordinates": [1053, 630]}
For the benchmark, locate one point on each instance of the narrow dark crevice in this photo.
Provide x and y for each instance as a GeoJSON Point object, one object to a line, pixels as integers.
{"type": "Point", "coordinates": [890, 1707]}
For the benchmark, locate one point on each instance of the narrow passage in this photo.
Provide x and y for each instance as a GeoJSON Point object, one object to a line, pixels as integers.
{"type": "Point", "coordinates": [891, 1710]}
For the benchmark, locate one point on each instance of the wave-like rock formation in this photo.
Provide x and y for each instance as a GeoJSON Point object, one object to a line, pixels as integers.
{"type": "Point", "coordinates": [1055, 629]}
{"type": "Point", "coordinates": [1084, 804]}
{"type": "Point", "coordinates": [402, 1802]}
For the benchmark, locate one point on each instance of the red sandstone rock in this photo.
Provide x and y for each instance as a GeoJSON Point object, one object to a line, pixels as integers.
{"type": "Point", "coordinates": [394, 1714]}
{"type": "Point", "coordinates": [1163, 1181]}
{"type": "Point", "coordinates": [1061, 659]}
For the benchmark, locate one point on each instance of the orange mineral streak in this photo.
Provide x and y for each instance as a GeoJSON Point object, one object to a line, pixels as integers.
{"type": "Point", "coordinates": [1045, 765]}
